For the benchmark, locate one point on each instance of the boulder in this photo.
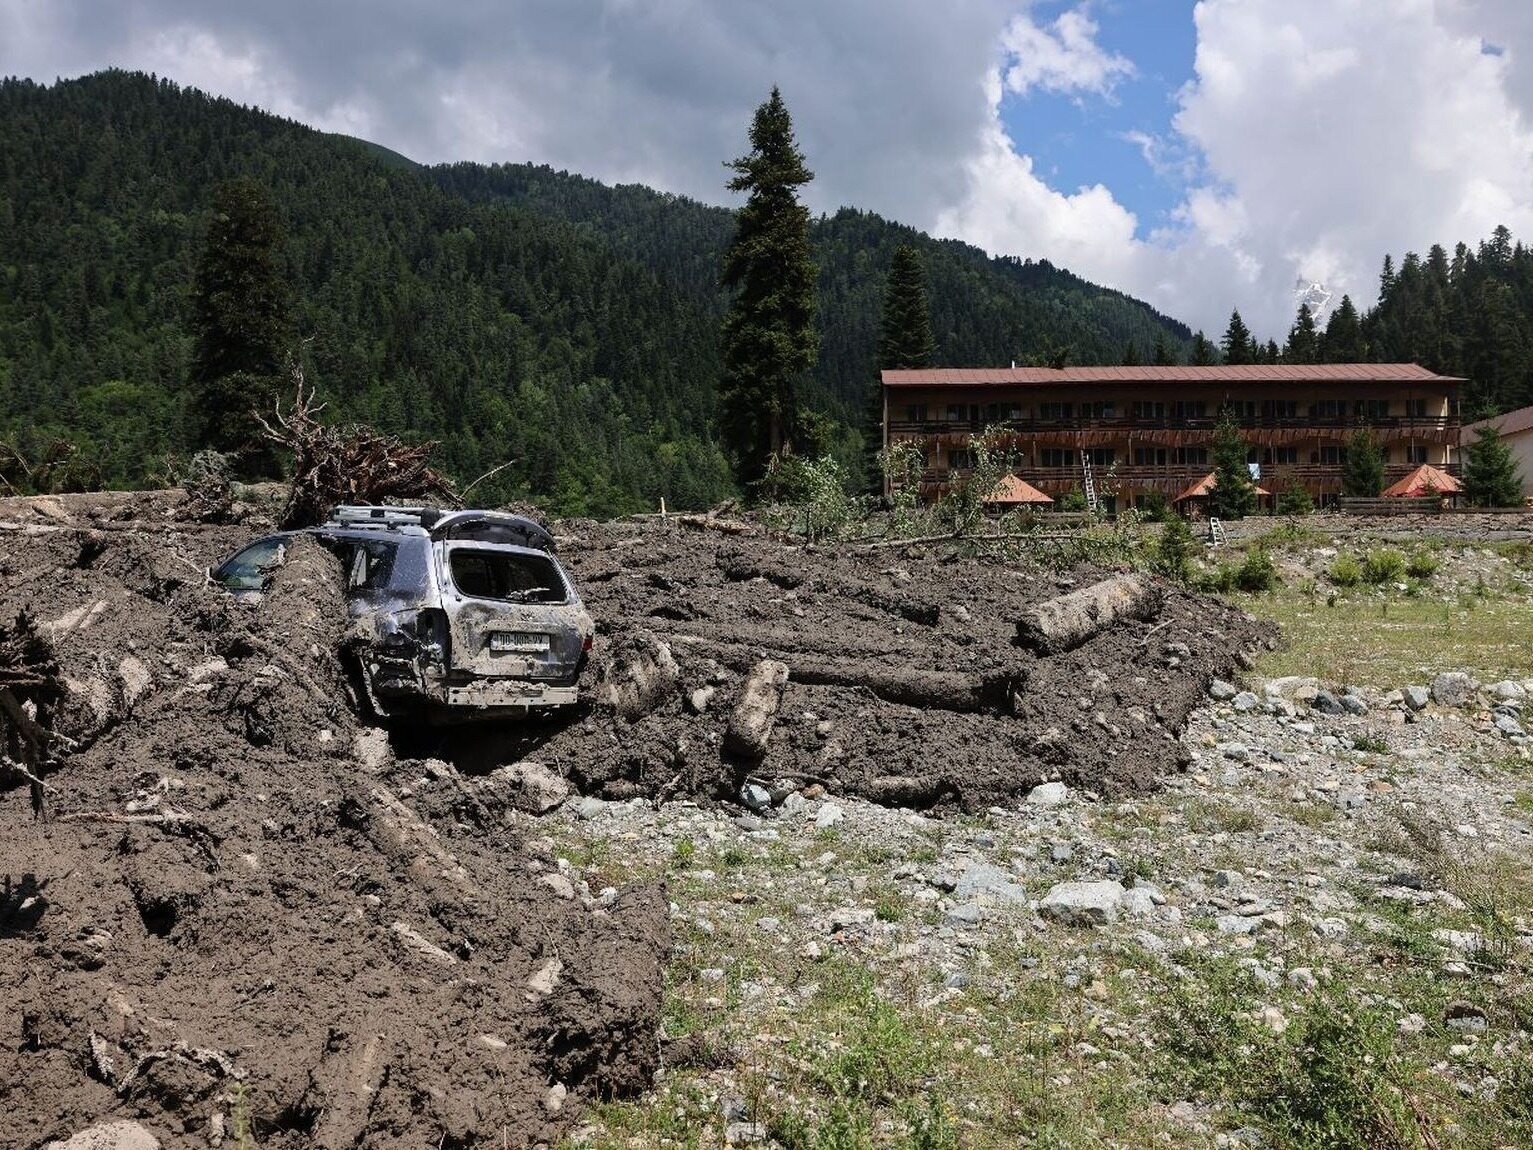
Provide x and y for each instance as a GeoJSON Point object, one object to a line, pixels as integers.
{"type": "Point", "coordinates": [109, 1136]}
{"type": "Point", "coordinates": [1292, 688]}
{"type": "Point", "coordinates": [1453, 689]}
{"type": "Point", "coordinates": [750, 723]}
{"type": "Point", "coordinates": [1048, 795]}
{"type": "Point", "coordinates": [1507, 691]}
{"type": "Point", "coordinates": [1326, 703]}
{"type": "Point", "coordinates": [1222, 692]}
{"type": "Point", "coordinates": [1415, 697]}
{"type": "Point", "coordinates": [639, 674]}
{"type": "Point", "coordinates": [1083, 903]}
{"type": "Point", "coordinates": [1245, 701]}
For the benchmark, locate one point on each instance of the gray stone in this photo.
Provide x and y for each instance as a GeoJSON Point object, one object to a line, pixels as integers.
{"type": "Point", "coordinates": [698, 700]}
{"type": "Point", "coordinates": [1416, 697]}
{"type": "Point", "coordinates": [755, 796]}
{"type": "Point", "coordinates": [1453, 689]}
{"type": "Point", "coordinates": [1228, 879]}
{"type": "Point", "coordinates": [849, 916]}
{"type": "Point", "coordinates": [589, 807]}
{"type": "Point", "coordinates": [1507, 690]}
{"type": "Point", "coordinates": [1221, 691]}
{"type": "Point", "coordinates": [537, 789]}
{"type": "Point", "coordinates": [641, 674]}
{"type": "Point", "coordinates": [750, 723]}
{"type": "Point", "coordinates": [828, 816]}
{"type": "Point", "coordinates": [1083, 903]}
{"type": "Point", "coordinates": [966, 914]}
{"type": "Point", "coordinates": [1354, 704]}
{"type": "Point", "coordinates": [1466, 1018]}
{"type": "Point", "coordinates": [1048, 795]}
{"type": "Point", "coordinates": [1294, 688]}
{"type": "Point", "coordinates": [1245, 701]}
{"type": "Point", "coordinates": [1327, 703]}
{"type": "Point", "coordinates": [981, 880]}
{"type": "Point", "coordinates": [1137, 903]}
{"type": "Point", "coordinates": [1061, 853]}
{"type": "Point", "coordinates": [109, 1136]}
{"type": "Point", "coordinates": [1237, 924]}
{"type": "Point", "coordinates": [1509, 726]}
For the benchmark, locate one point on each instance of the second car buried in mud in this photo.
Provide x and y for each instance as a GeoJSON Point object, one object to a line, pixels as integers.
{"type": "Point", "coordinates": [460, 613]}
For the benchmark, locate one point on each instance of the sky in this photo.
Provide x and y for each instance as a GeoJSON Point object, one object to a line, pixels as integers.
{"type": "Point", "coordinates": [1200, 155]}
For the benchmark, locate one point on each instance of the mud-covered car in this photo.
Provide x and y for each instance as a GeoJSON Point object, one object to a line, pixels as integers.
{"type": "Point", "coordinates": [456, 612]}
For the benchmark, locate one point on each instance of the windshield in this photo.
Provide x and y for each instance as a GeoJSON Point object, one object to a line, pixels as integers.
{"type": "Point", "coordinates": [249, 569]}
{"type": "Point", "coordinates": [508, 575]}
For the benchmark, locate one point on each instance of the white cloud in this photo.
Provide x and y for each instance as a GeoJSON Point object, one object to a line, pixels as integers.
{"type": "Point", "coordinates": [1329, 131]}
{"type": "Point", "coordinates": [1062, 57]}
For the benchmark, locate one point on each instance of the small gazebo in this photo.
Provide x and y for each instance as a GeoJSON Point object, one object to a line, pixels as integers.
{"type": "Point", "coordinates": [1424, 482]}
{"type": "Point", "coordinates": [1204, 487]}
{"type": "Point", "coordinates": [1014, 491]}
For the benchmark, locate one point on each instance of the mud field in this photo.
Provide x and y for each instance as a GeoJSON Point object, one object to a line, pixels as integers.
{"type": "Point", "coordinates": [246, 912]}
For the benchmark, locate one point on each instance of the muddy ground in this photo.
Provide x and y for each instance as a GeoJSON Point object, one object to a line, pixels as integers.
{"type": "Point", "coordinates": [245, 910]}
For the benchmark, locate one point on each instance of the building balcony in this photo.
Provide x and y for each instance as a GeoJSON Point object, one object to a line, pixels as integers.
{"type": "Point", "coordinates": [1127, 425]}
{"type": "Point", "coordinates": [1318, 478]}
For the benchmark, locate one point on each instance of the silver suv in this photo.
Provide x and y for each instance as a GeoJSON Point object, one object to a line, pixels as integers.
{"type": "Point", "coordinates": [467, 612]}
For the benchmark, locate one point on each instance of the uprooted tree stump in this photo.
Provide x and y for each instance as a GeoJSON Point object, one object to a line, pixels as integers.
{"type": "Point", "coordinates": [350, 463]}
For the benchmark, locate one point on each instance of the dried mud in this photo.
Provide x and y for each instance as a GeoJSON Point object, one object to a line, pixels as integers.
{"type": "Point", "coordinates": [247, 907]}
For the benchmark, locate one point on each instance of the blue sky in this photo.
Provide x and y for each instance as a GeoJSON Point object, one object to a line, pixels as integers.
{"type": "Point", "coordinates": [1079, 139]}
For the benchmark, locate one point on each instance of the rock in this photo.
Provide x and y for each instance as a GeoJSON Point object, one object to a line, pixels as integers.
{"type": "Point", "coordinates": [1293, 688]}
{"type": "Point", "coordinates": [1412, 1024]}
{"type": "Point", "coordinates": [1245, 701]}
{"type": "Point", "coordinates": [545, 979]}
{"type": "Point", "coordinates": [556, 882]}
{"type": "Point", "coordinates": [1507, 691]}
{"type": "Point", "coordinates": [1048, 795]}
{"type": "Point", "coordinates": [966, 914]}
{"type": "Point", "coordinates": [1466, 1018]}
{"type": "Point", "coordinates": [849, 916]}
{"type": "Point", "coordinates": [1083, 903]}
{"type": "Point", "coordinates": [538, 789]}
{"type": "Point", "coordinates": [1061, 853]}
{"type": "Point", "coordinates": [698, 700]}
{"type": "Point", "coordinates": [744, 1133]}
{"type": "Point", "coordinates": [1415, 697]}
{"type": "Point", "coordinates": [1354, 704]}
{"type": "Point", "coordinates": [1509, 726]}
{"type": "Point", "coordinates": [750, 723]}
{"type": "Point", "coordinates": [1228, 879]}
{"type": "Point", "coordinates": [1221, 691]}
{"type": "Point", "coordinates": [1302, 978]}
{"type": "Point", "coordinates": [589, 807]}
{"type": "Point", "coordinates": [755, 796]}
{"type": "Point", "coordinates": [1236, 924]}
{"type": "Point", "coordinates": [1272, 1018]}
{"type": "Point", "coordinates": [829, 815]}
{"type": "Point", "coordinates": [109, 1136]}
{"type": "Point", "coordinates": [794, 804]}
{"type": "Point", "coordinates": [371, 748]}
{"type": "Point", "coordinates": [1137, 903]}
{"type": "Point", "coordinates": [1453, 689]}
{"type": "Point", "coordinates": [639, 674]}
{"type": "Point", "coordinates": [553, 1101]}
{"type": "Point", "coordinates": [1327, 703]}
{"type": "Point", "coordinates": [135, 678]}
{"type": "Point", "coordinates": [980, 880]}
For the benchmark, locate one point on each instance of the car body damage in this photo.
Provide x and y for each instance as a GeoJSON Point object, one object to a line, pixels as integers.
{"type": "Point", "coordinates": [462, 614]}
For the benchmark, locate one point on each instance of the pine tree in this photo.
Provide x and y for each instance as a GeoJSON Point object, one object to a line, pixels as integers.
{"type": "Point", "coordinates": [769, 335]}
{"type": "Point", "coordinates": [1237, 343]}
{"type": "Point", "coordinates": [1131, 354]}
{"type": "Point", "coordinates": [1303, 343]}
{"type": "Point", "coordinates": [1162, 356]}
{"type": "Point", "coordinates": [1344, 341]}
{"type": "Point", "coordinates": [905, 338]}
{"type": "Point", "coordinates": [1362, 472]}
{"type": "Point", "coordinates": [1234, 495]}
{"type": "Point", "coordinates": [1491, 478]}
{"type": "Point", "coordinates": [240, 304]}
{"type": "Point", "coordinates": [1202, 354]}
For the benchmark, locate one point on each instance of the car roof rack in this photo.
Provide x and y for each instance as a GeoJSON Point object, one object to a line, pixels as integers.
{"type": "Point", "coordinates": [469, 525]}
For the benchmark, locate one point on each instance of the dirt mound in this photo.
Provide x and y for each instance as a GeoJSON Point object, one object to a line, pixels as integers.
{"type": "Point", "coordinates": [244, 911]}
{"type": "Point", "coordinates": [908, 682]}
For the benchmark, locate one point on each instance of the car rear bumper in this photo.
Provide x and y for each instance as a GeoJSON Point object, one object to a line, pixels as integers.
{"type": "Point", "coordinates": [500, 693]}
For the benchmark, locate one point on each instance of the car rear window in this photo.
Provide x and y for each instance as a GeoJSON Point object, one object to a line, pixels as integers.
{"type": "Point", "coordinates": [512, 576]}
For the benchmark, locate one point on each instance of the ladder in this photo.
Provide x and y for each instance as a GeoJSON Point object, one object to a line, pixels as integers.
{"type": "Point", "coordinates": [1089, 485]}
{"type": "Point", "coordinates": [1216, 536]}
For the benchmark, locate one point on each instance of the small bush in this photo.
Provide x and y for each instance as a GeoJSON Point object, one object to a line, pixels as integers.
{"type": "Point", "coordinates": [1345, 571]}
{"type": "Point", "coordinates": [1174, 550]}
{"type": "Point", "coordinates": [1221, 580]}
{"type": "Point", "coordinates": [1073, 500]}
{"type": "Point", "coordinates": [1257, 573]}
{"type": "Point", "coordinates": [1384, 566]}
{"type": "Point", "coordinates": [1421, 565]}
{"type": "Point", "coordinates": [1154, 506]}
{"type": "Point", "coordinates": [1295, 500]}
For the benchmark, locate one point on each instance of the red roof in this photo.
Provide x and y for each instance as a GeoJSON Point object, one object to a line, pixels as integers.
{"type": "Point", "coordinates": [1512, 423]}
{"type": "Point", "coordinates": [1423, 481]}
{"type": "Point", "coordinates": [1204, 486]}
{"type": "Point", "coordinates": [1016, 490]}
{"type": "Point", "coordinates": [1244, 373]}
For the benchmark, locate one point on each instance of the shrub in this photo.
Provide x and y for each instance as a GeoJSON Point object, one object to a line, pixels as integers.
{"type": "Point", "coordinates": [1222, 579]}
{"type": "Point", "coordinates": [1295, 500]}
{"type": "Point", "coordinates": [1384, 566]}
{"type": "Point", "coordinates": [1154, 506]}
{"type": "Point", "coordinates": [1174, 550]}
{"type": "Point", "coordinates": [1345, 571]}
{"type": "Point", "coordinates": [1073, 500]}
{"type": "Point", "coordinates": [1422, 565]}
{"type": "Point", "coordinates": [1257, 572]}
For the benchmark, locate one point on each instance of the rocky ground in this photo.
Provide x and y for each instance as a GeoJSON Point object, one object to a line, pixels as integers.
{"type": "Point", "coordinates": [1287, 906]}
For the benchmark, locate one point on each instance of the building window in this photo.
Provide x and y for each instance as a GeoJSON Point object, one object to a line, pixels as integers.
{"type": "Point", "coordinates": [1416, 408]}
{"type": "Point", "coordinates": [1101, 456]}
{"type": "Point", "coordinates": [1149, 409]}
{"type": "Point", "coordinates": [1099, 409]}
{"type": "Point", "coordinates": [1329, 409]}
{"type": "Point", "coordinates": [915, 412]}
{"type": "Point", "coordinates": [1016, 411]}
{"type": "Point", "coordinates": [1416, 453]}
{"type": "Point", "coordinates": [1190, 456]}
{"type": "Point", "coordinates": [1190, 409]}
{"type": "Point", "coordinates": [1280, 455]}
{"type": "Point", "coordinates": [954, 412]}
{"type": "Point", "coordinates": [1055, 410]}
{"type": "Point", "coordinates": [961, 459]}
{"type": "Point", "coordinates": [1373, 408]}
{"type": "Point", "coordinates": [1149, 456]}
{"type": "Point", "coordinates": [1280, 409]}
{"type": "Point", "coordinates": [1058, 457]}
{"type": "Point", "coordinates": [1331, 455]}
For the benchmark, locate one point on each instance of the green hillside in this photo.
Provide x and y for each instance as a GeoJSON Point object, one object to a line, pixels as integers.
{"type": "Point", "coordinates": [511, 312]}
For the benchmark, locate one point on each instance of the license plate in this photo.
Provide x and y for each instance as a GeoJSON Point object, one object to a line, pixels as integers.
{"type": "Point", "coordinates": [525, 641]}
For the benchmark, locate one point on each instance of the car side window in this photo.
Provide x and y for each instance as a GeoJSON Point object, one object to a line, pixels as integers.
{"type": "Point", "coordinates": [248, 570]}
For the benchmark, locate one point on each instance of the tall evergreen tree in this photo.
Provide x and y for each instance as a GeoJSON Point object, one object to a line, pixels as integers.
{"type": "Point", "coordinates": [905, 341]}
{"type": "Point", "coordinates": [1202, 353]}
{"type": "Point", "coordinates": [240, 304]}
{"type": "Point", "coordinates": [1162, 356]}
{"type": "Point", "coordinates": [1362, 472]}
{"type": "Point", "coordinates": [1491, 478]}
{"type": "Point", "coordinates": [1237, 343]}
{"type": "Point", "coordinates": [1131, 354]}
{"type": "Point", "coordinates": [1234, 495]}
{"type": "Point", "coordinates": [769, 335]}
{"type": "Point", "coordinates": [1303, 344]}
{"type": "Point", "coordinates": [905, 337]}
{"type": "Point", "coordinates": [1344, 341]}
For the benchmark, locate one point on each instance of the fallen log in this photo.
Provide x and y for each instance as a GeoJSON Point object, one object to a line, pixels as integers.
{"type": "Point", "coordinates": [750, 725]}
{"type": "Point", "coordinates": [1064, 623]}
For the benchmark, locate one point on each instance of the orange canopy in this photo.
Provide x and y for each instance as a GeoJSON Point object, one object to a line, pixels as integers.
{"type": "Point", "coordinates": [1202, 487]}
{"type": "Point", "coordinates": [1015, 490]}
{"type": "Point", "coordinates": [1425, 480]}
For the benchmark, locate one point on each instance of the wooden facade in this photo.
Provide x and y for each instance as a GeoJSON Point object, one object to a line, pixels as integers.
{"type": "Point", "coordinates": [1153, 427]}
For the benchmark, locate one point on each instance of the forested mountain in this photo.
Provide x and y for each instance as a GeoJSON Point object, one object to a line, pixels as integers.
{"type": "Point", "coordinates": [512, 312]}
